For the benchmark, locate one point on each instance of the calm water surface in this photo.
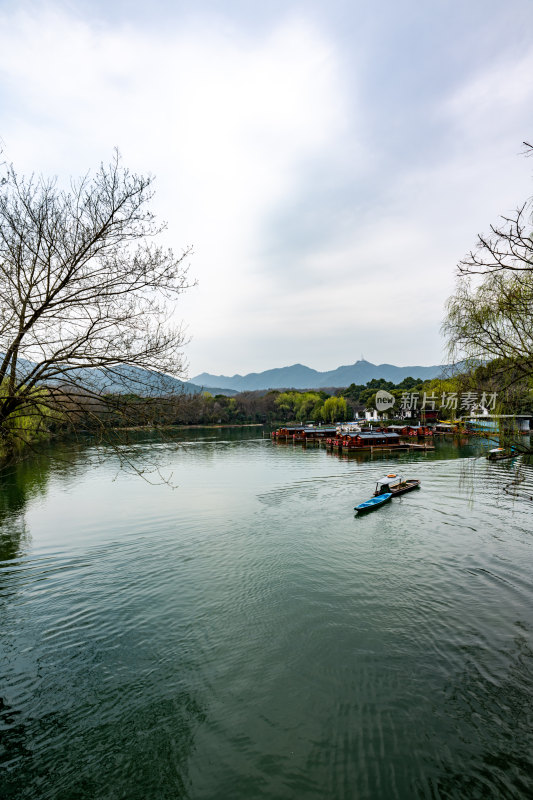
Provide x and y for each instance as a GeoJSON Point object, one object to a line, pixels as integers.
{"type": "Point", "coordinates": [245, 636]}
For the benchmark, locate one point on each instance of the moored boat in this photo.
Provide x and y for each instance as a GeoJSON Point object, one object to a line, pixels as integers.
{"type": "Point", "coordinates": [396, 485]}
{"type": "Point", "coordinates": [499, 453]}
{"type": "Point", "coordinates": [373, 503]}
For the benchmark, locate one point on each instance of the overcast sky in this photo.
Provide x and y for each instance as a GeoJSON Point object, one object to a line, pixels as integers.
{"type": "Point", "coordinates": [330, 161]}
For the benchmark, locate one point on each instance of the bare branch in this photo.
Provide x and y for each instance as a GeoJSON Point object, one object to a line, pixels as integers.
{"type": "Point", "coordinates": [86, 298]}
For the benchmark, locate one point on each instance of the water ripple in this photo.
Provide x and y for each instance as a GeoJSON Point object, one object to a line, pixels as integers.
{"type": "Point", "coordinates": [246, 636]}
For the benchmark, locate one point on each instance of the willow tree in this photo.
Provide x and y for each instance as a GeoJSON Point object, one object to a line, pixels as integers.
{"type": "Point", "coordinates": [334, 409]}
{"type": "Point", "coordinates": [494, 321]}
{"type": "Point", "coordinates": [490, 315]}
{"type": "Point", "coordinates": [86, 297]}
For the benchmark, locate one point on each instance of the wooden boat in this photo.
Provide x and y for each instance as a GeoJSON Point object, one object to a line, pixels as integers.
{"type": "Point", "coordinates": [373, 503]}
{"type": "Point", "coordinates": [498, 453]}
{"type": "Point", "coordinates": [396, 485]}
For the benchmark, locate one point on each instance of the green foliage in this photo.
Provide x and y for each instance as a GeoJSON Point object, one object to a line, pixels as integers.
{"type": "Point", "coordinates": [334, 409]}
{"type": "Point", "coordinates": [32, 419]}
{"type": "Point", "coordinates": [272, 407]}
{"type": "Point", "coordinates": [299, 406]}
{"type": "Point", "coordinates": [317, 413]}
{"type": "Point", "coordinates": [494, 320]}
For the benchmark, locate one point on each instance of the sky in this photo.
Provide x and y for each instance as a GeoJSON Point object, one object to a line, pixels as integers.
{"type": "Point", "coordinates": [329, 162]}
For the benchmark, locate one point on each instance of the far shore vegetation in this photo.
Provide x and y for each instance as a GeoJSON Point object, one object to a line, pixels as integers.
{"type": "Point", "coordinates": [122, 413]}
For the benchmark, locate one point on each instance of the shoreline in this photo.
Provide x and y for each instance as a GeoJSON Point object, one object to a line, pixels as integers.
{"type": "Point", "coordinates": [196, 425]}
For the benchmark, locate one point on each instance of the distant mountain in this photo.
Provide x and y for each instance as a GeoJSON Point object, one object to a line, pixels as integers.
{"type": "Point", "coordinates": [297, 377]}
{"type": "Point", "coordinates": [300, 377]}
{"type": "Point", "coordinates": [125, 379]}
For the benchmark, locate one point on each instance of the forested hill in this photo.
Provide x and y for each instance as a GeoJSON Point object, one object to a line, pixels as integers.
{"type": "Point", "coordinates": [301, 377]}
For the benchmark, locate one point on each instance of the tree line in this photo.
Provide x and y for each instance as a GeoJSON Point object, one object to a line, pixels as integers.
{"type": "Point", "coordinates": [108, 415]}
{"type": "Point", "coordinates": [122, 412]}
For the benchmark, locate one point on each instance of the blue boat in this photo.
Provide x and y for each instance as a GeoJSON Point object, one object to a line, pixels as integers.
{"type": "Point", "coordinates": [374, 502]}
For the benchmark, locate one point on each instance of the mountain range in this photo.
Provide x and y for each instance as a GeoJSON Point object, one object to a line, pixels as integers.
{"type": "Point", "coordinates": [123, 379]}
{"type": "Point", "coordinates": [299, 376]}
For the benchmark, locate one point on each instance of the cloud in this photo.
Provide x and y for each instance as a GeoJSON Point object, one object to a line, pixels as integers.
{"type": "Point", "coordinates": [327, 193]}
{"type": "Point", "coordinates": [492, 95]}
{"type": "Point", "coordinates": [226, 121]}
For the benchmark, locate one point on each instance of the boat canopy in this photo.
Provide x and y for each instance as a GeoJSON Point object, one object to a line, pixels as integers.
{"type": "Point", "coordinates": [388, 480]}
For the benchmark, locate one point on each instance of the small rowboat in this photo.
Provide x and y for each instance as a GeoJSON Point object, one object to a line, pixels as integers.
{"type": "Point", "coordinates": [396, 485]}
{"type": "Point", "coordinates": [498, 453]}
{"type": "Point", "coordinates": [373, 503]}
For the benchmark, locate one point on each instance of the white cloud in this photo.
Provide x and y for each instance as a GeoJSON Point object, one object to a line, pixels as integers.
{"type": "Point", "coordinates": [502, 89]}
{"type": "Point", "coordinates": [225, 122]}
{"type": "Point", "coordinates": [311, 241]}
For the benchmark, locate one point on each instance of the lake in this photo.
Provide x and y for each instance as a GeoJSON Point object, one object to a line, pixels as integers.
{"type": "Point", "coordinates": [241, 634]}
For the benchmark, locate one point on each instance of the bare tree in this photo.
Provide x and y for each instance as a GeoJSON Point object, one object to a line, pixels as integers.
{"type": "Point", "coordinates": [490, 315]}
{"type": "Point", "coordinates": [509, 245]}
{"type": "Point", "coordinates": [86, 299]}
